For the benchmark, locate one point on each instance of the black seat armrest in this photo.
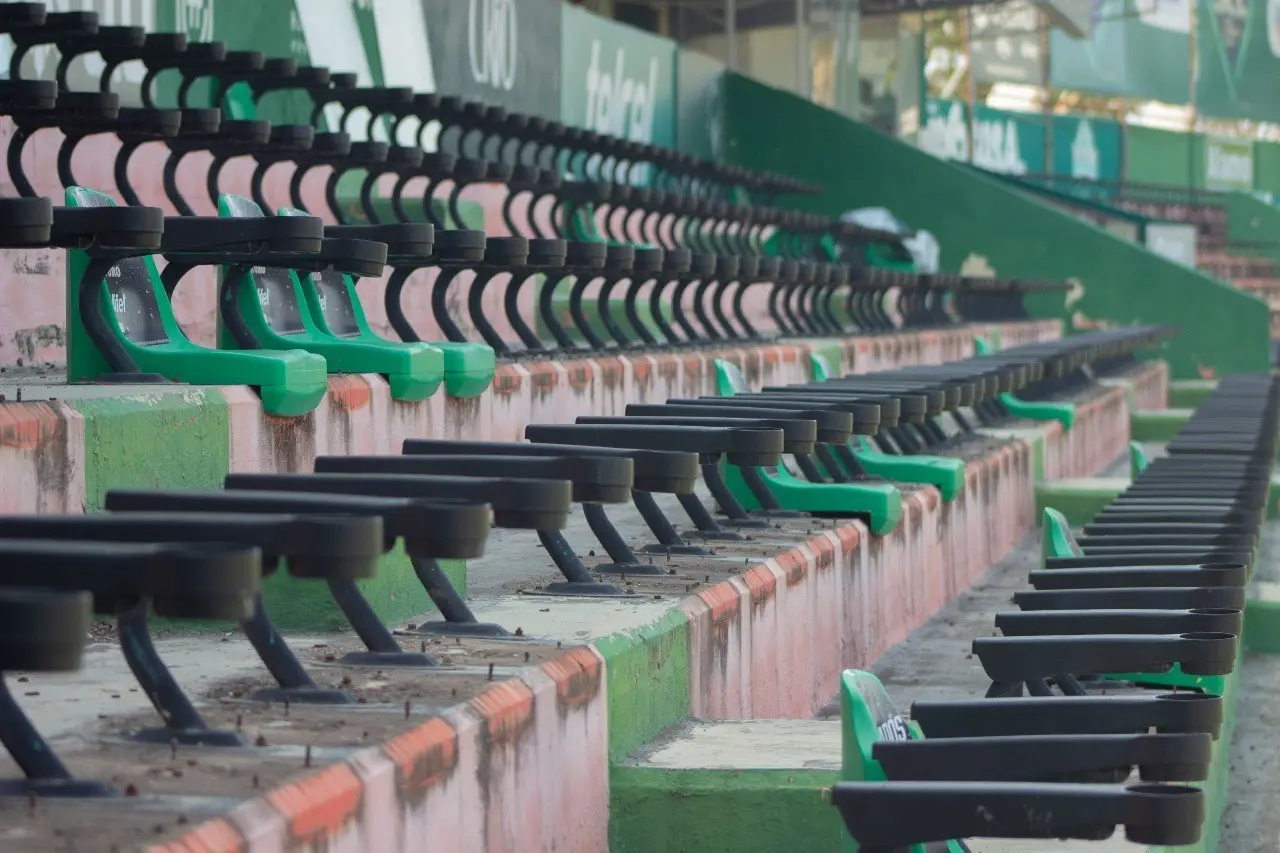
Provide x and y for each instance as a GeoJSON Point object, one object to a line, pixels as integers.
{"type": "Point", "coordinates": [212, 234]}
{"type": "Point", "coordinates": [25, 222]}
{"type": "Point", "coordinates": [1042, 715]}
{"type": "Point", "coordinates": [108, 229]}
{"type": "Point", "coordinates": [742, 446]}
{"type": "Point", "coordinates": [442, 528]}
{"type": "Point", "coordinates": [662, 471]}
{"type": "Point", "coordinates": [595, 479]}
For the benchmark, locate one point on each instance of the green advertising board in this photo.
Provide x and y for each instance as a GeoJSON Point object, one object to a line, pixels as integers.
{"type": "Point", "coordinates": [1008, 143]}
{"type": "Point", "coordinates": [697, 97]}
{"type": "Point", "coordinates": [1086, 148]}
{"type": "Point", "coordinates": [1003, 142]}
{"type": "Point", "coordinates": [384, 43]}
{"type": "Point", "coordinates": [1227, 164]}
{"type": "Point", "coordinates": [1158, 156]}
{"type": "Point", "coordinates": [944, 131]}
{"type": "Point", "coordinates": [502, 52]}
{"type": "Point", "coordinates": [1238, 47]}
{"type": "Point", "coordinates": [1137, 48]}
{"type": "Point", "coordinates": [617, 80]}
{"type": "Point", "coordinates": [1266, 167]}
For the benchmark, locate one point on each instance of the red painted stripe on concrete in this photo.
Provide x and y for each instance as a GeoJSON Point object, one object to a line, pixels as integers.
{"type": "Point", "coordinates": [424, 757]}
{"type": "Point", "coordinates": [321, 806]}
{"type": "Point", "coordinates": [28, 426]}
{"type": "Point", "coordinates": [349, 393]}
{"type": "Point", "coordinates": [578, 675]}
{"type": "Point", "coordinates": [215, 836]}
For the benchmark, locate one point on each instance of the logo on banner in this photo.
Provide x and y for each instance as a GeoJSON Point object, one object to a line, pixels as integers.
{"type": "Point", "coordinates": [1084, 153]}
{"type": "Point", "coordinates": [1229, 164]}
{"type": "Point", "coordinates": [1273, 27]}
{"type": "Point", "coordinates": [997, 148]}
{"type": "Point", "coordinates": [1231, 16]}
{"type": "Point", "coordinates": [618, 104]}
{"type": "Point", "coordinates": [492, 42]}
{"type": "Point", "coordinates": [944, 134]}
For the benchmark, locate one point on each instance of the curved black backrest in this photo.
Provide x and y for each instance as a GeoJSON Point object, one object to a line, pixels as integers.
{"type": "Point", "coordinates": [131, 286]}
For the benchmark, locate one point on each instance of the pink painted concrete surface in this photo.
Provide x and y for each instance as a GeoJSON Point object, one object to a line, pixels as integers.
{"type": "Point", "coordinates": [42, 443]}
{"type": "Point", "coordinates": [524, 766]}
{"type": "Point", "coordinates": [1151, 386]}
{"type": "Point", "coordinates": [771, 644]}
{"type": "Point", "coordinates": [1099, 437]}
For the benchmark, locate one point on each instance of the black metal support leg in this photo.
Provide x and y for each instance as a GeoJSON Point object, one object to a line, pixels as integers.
{"type": "Point", "coordinates": [708, 527]}
{"type": "Point", "coordinates": [578, 581]}
{"type": "Point", "coordinates": [458, 618]}
{"type": "Point", "coordinates": [669, 541]}
{"type": "Point", "coordinates": [736, 512]}
{"type": "Point", "coordinates": [624, 559]}
{"type": "Point", "coordinates": [293, 682]}
{"type": "Point", "coordinates": [383, 650]}
{"type": "Point", "coordinates": [183, 722]}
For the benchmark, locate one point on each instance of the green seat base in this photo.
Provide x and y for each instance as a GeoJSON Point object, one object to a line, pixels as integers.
{"type": "Point", "coordinates": [1213, 684]}
{"type": "Point", "coordinates": [945, 473]}
{"type": "Point", "coordinates": [1064, 413]}
{"type": "Point", "coordinates": [468, 368]}
{"type": "Point", "coordinates": [291, 401]}
{"type": "Point", "coordinates": [412, 387]}
{"type": "Point", "coordinates": [290, 382]}
{"type": "Point", "coordinates": [1157, 425]}
{"type": "Point", "coordinates": [414, 371]}
{"type": "Point", "coordinates": [879, 503]}
{"type": "Point", "coordinates": [1262, 625]}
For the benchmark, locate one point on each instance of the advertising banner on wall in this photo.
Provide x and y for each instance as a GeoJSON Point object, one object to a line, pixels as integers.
{"type": "Point", "coordinates": [1006, 43]}
{"type": "Point", "coordinates": [944, 133]}
{"type": "Point", "coordinates": [1008, 143]}
{"type": "Point", "coordinates": [1086, 148]}
{"type": "Point", "coordinates": [1238, 47]}
{"type": "Point", "coordinates": [1228, 164]}
{"type": "Point", "coordinates": [616, 80]}
{"type": "Point", "coordinates": [698, 122]}
{"type": "Point", "coordinates": [1174, 240]}
{"type": "Point", "coordinates": [502, 52]}
{"type": "Point", "coordinates": [1137, 48]}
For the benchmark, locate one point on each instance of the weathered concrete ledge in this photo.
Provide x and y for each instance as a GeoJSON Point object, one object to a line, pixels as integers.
{"type": "Point", "coordinates": [66, 445]}
{"type": "Point", "coordinates": [525, 764]}
{"type": "Point", "coordinates": [62, 455]}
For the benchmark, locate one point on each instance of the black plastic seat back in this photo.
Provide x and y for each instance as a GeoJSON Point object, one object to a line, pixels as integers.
{"type": "Point", "coordinates": [276, 293]}
{"type": "Point", "coordinates": [130, 283]}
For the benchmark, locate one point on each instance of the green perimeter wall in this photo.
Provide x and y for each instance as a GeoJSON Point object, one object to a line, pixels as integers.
{"type": "Point", "coordinates": [980, 222]}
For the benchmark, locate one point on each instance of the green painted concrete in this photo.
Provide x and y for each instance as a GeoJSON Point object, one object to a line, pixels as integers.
{"type": "Point", "coordinates": [305, 606]}
{"type": "Point", "coordinates": [160, 440]}
{"type": "Point", "coordinates": [833, 351]}
{"type": "Point", "coordinates": [647, 672]}
{"type": "Point", "coordinates": [1262, 626]}
{"type": "Point", "coordinates": [1157, 425]}
{"type": "Point", "coordinates": [745, 811]}
{"type": "Point", "coordinates": [1078, 500]}
{"type": "Point", "coordinates": [394, 593]}
{"type": "Point", "coordinates": [1189, 393]}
